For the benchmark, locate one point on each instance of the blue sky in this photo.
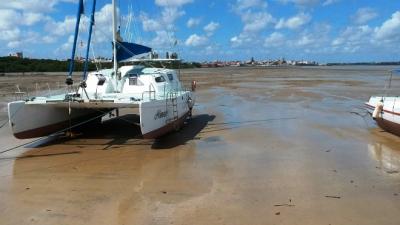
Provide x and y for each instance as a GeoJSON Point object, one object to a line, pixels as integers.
{"type": "Point", "coordinates": [320, 30]}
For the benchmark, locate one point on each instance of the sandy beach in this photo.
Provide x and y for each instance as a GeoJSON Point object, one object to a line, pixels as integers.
{"type": "Point", "coordinates": [265, 146]}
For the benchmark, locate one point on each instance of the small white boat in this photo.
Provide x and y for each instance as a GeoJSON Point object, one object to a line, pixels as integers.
{"type": "Point", "coordinates": [155, 94]}
{"type": "Point", "coordinates": [385, 110]}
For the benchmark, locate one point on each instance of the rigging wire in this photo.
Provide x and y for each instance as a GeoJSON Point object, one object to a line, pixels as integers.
{"type": "Point", "coordinates": [136, 30]}
{"type": "Point", "coordinates": [5, 123]}
{"type": "Point", "coordinates": [120, 13]}
{"type": "Point", "coordinates": [118, 42]}
{"type": "Point", "coordinates": [53, 134]}
{"type": "Point", "coordinates": [171, 34]}
{"type": "Point", "coordinates": [128, 20]}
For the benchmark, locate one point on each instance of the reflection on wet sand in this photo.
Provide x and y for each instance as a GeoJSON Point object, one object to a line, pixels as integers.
{"type": "Point", "coordinates": [388, 158]}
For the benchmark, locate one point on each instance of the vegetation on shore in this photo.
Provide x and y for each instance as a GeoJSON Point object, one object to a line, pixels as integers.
{"type": "Point", "coordinates": [21, 65]}
{"type": "Point", "coordinates": [14, 64]}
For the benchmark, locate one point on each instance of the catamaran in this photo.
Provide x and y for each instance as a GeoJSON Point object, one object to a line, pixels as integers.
{"type": "Point", "coordinates": [385, 110]}
{"type": "Point", "coordinates": [155, 94]}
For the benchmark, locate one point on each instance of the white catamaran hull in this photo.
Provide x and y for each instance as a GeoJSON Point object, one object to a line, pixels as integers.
{"type": "Point", "coordinates": [386, 112]}
{"type": "Point", "coordinates": [37, 120]}
{"type": "Point", "coordinates": [157, 117]}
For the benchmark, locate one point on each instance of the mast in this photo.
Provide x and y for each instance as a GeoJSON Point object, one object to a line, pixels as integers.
{"type": "Point", "coordinates": [89, 40]}
{"type": "Point", "coordinates": [69, 80]}
{"type": "Point", "coordinates": [114, 27]}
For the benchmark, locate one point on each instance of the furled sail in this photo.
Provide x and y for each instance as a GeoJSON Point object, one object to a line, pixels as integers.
{"type": "Point", "coordinates": [126, 50]}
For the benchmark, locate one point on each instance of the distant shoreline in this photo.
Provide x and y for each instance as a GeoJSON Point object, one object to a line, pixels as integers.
{"type": "Point", "coordinates": [365, 64]}
{"type": "Point", "coordinates": [26, 66]}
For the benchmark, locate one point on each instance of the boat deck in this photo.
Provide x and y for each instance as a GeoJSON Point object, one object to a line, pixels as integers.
{"type": "Point", "coordinates": [111, 101]}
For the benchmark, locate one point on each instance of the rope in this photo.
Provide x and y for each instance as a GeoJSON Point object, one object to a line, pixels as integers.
{"type": "Point", "coordinates": [53, 134]}
{"type": "Point", "coordinates": [2, 125]}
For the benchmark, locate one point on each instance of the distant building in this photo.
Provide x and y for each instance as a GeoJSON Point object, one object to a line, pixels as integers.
{"type": "Point", "coordinates": [153, 55]}
{"type": "Point", "coordinates": [101, 59]}
{"type": "Point", "coordinates": [174, 55]}
{"type": "Point", "coordinates": [17, 55]}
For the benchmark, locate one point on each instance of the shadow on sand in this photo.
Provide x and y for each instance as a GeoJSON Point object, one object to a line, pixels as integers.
{"type": "Point", "coordinates": [188, 132]}
{"type": "Point", "coordinates": [125, 131]}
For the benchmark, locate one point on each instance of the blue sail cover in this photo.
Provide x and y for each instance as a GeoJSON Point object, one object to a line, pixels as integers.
{"type": "Point", "coordinates": [126, 50]}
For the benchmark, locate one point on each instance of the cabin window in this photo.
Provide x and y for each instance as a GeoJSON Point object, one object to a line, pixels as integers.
{"type": "Point", "coordinates": [100, 79]}
{"type": "Point", "coordinates": [160, 79]}
{"type": "Point", "coordinates": [170, 77]}
{"type": "Point", "coordinates": [132, 80]}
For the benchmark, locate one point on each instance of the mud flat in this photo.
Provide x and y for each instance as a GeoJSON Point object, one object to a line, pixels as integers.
{"type": "Point", "coordinates": [265, 146]}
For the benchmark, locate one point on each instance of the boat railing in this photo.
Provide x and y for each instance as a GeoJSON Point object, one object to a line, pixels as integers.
{"type": "Point", "coordinates": [151, 92]}
{"type": "Point", "coordinates": [181, 89]}
{"type": "Point", "coordinates": [24, 92]}
{"type": "Point", "coordinates": [18, 94]}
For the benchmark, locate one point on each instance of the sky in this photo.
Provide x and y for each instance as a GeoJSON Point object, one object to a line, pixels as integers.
{"type": "Point", "coordinates": [200, 30]}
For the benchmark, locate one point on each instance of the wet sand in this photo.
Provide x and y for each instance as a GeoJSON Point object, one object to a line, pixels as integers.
{"type": "Point", "coordinates": [265, 146]}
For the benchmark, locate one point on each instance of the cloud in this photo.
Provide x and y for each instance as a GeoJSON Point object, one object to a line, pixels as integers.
{"type": "Point", "coordinates": [253, 14]}
{"type": "Point", "coordinates": [61, 28]}
{"type": "Point", "coordinates": [17, 16]}
{"type": "Point", "coordinates": [330, 2]}
{"type": "Point", "coordinates": [314, 38]}
{"type": "Point", "coordinates": [7, 18]}
{"type": "Point", "coordinates": [255, 18]}
{"type": "Point", "coordinates": [192, 22]}
{"type": "Point", "coordinates": [172, 3]}
{"type": "Point", "coordinates": [254, 22]}
{"type": "Point", "coordinates": [161, 39]}
{"type": "Point", "coordinates": [195, 40]}
{"type": "Point", "coordinates": [36, 6]}
{"type": "Point", "coordinates": [12, 23]}
{"type": "Point", "coordinates": [364, 15]}
{"type": "Point", "coordinates": [66, 46]}
{"type": "Point", "coordinates": [294, 22]}
{"type": "Point", "coordinates": [353, 38]}
{"type": "Point", "coordinates": [242, 39]}
{"type": "Point", "coordinates": [390, 29]}
{"type": "Point", "coordinates": [274, 40]}
{"type": "Point", "coordinates": [170, 15]}
{"type": "Point", "coordinates": [211, 28]}
{"type": "Point", "coordinates": [31, 18]}
{"type": "Point", "coordinates": [150, 24]}
{"type": "Point", "coordinates": [32, 6]}
{"type": "Point", "coordinates": [242, 5]}
{"type": "Point", "coordinates": [49, 39]}
{"type": "Point", "coordinates": [16, 38]}
{"type": "Point", "coordinates": [10, 18]}
{"type": "Point", "coordinates": [363, 38]}
{"type": "Point", "coordinates": [10, 34]}
{"type": "Point", "coordinates": [301, 3]}
{"type": "Point", "coordinates": [164, 25]}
